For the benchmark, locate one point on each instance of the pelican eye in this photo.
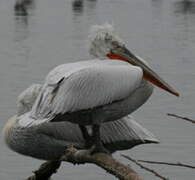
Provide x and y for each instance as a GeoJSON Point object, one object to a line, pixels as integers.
{"type": "Point", "coordinates": [107, 37]}
{"type": "Point", "coordinates": [117, 46]}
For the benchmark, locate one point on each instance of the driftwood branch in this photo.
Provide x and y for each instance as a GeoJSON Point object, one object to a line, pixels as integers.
{"type": "Point", "coordinates": [45, 171]}
{"type": "Point", "coordinates": [146, 168]}
{"type": "Point", "coordinates": [180, 117]}
{"type": "Point", "coordinates": [74, 156]}
{"type": "Point", "coordinates": [168, 163]}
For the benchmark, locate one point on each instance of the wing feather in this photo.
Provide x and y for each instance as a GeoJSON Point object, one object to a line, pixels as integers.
{"type": "Point", "coordinates": [26, 99]}
{"type": "Point", "coordinates": [85, 85]}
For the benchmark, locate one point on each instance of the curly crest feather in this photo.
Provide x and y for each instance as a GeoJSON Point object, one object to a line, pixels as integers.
{"type": "Point", "coordinates": [101, 40]}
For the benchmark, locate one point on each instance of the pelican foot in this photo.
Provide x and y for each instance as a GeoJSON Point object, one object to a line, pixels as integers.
{"type": "Point", "coordinates": [97, 143]}
{"type": "Point", "coordinates": [88, 139]}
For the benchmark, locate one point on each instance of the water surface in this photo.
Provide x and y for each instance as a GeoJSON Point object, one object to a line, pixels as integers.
{"type": "Point", "coordinates": [46, 33]}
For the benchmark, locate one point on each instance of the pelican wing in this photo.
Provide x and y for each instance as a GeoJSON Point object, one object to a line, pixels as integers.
{"type": "Point", "coordinates": [49, 140]}
{"type": "Point", "coordinates": [121, 134]}
{"type": "Point", "coordinates": [27, 98]}
{"type": "Point", "coordinates": [85, 85]}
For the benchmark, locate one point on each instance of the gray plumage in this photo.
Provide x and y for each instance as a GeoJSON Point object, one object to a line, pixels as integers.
{"type": "Point", "coordinates": [49, 140]}
{"type": "Point", "coordinates": [84, 85]}
{"type": "Point", "coordinates": [93, 92]}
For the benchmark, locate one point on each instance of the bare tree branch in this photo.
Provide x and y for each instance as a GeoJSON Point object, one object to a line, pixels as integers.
{"type": "Point", "coordinates": [146, 168]}
{"type": "Point", "coordinates": [45, 171]}
{"type": "Point", "coordinates": [168, 163]}
{"type": "Point", "coordinates": [180, 117]}
{"type": "Point", "coordinates": [105, 161]}
{"type": "Point", "coordinates": [74, 156]}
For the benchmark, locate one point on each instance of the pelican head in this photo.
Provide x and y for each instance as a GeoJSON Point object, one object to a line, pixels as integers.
{"type": "Point", "coordinates": [103, 40]}
{"type": "Point", "coordinates": [105, 43]}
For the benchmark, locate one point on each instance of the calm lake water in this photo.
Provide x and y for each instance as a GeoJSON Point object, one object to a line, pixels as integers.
{"type": "Point", "coordinates": [55, 32]}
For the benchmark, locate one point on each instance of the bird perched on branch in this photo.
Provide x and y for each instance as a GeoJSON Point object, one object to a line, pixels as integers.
{"type": "Point", "coordinates": [92, 92]}
{"type": "Point", "coordinates": [49, 141]}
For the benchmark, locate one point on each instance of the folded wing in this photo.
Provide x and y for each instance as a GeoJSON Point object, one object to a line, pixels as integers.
{"type": "Point", "coordinates": [85, 85]}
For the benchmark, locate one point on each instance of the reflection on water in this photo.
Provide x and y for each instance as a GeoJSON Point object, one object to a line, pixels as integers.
{"type": "Point", "coordinates": [21, 28]}
{"type": "Point", "coordinates": [22, 10]}
{"type": "Point", "coordinates": [77, 6]}
{"type": "Point", "coordinates": [185, 6]}
{"type": "Point", "coordinates": [22, 7]}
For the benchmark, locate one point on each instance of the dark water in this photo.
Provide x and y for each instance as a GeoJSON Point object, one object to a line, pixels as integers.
{"type": "Point", "coordinates": [40, 34]}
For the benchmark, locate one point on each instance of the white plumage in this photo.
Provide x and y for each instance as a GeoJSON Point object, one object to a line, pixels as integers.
{"type": "Point", "coordinates": [91, 92]}
{"type": "Point", "coordinates": [55, 137]}
{"type": "Point", "coordinates": [86, 93]}
{"type": "Point", "coordinates": [101, 39]}
{"type": "Point", "coordinates": [85, 85]}
{"type": "Point", "coordinates": [27, 98]}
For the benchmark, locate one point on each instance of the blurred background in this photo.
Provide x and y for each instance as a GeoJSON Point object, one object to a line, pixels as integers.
{"type": "Point", "coordinates": [37, 35]}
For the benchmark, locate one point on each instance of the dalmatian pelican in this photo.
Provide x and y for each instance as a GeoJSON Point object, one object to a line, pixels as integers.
{"type": "Point", "coordinates": [93, 92]}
